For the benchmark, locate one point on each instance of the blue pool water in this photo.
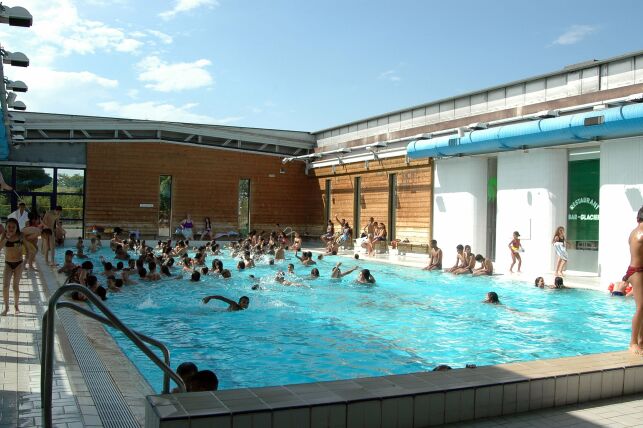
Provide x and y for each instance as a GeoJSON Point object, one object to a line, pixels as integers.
{"type": "Point", "coordinates": [411, 320]}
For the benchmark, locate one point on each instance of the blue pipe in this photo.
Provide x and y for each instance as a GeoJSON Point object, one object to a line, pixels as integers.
{"type": "Point", "coordinates": [617, 122]}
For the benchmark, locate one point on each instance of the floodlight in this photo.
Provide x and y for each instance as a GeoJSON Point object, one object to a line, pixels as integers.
{"type": "Point", "coordinates": [15, 16]}
{"type": "Point", "coordinates": [17, 59]}
{"type": "Point", "coordinates": [16, 86]}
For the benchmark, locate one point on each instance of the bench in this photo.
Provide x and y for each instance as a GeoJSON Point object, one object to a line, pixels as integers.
{"type": "Point", "coordinates": [408, 247]}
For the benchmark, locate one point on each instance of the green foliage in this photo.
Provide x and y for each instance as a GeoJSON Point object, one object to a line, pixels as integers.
{"type": "Point", "coordinates": [33, 179]}
{"type": "Point", "coordinates": [70, 183]}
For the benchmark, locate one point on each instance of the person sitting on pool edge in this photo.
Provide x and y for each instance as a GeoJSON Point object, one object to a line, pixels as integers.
{"type": "Point", "coordinates": [243, 303]}
{"type": "Point", "coordinates": [492, 297]}
{"type": "Point", "coordinates": [486, 267]}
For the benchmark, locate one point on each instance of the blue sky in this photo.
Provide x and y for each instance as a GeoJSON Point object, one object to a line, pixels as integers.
{"type": "Point", "coordinates": [297, 64]}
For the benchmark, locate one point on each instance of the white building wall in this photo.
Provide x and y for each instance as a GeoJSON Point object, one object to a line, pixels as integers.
{"type": "Point", "coordinates": [460, 205]}
{"type": "Point", "coordinates": [532, 199]}
{"type": "Point", "coordinates": [621, 197]}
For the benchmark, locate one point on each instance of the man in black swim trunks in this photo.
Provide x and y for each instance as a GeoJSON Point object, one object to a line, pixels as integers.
{"type": "Point", "coordinates": [436, 257]}
{"type": "Point", "coordinates": [50, 221]}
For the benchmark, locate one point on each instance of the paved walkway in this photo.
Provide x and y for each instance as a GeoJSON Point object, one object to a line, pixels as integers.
{"type": "Point", "coordinates": [619, 412]}
{"type": "Point", "coordinates": [20, 338]}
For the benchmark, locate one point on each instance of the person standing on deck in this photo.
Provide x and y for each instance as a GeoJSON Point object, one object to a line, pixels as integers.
{"type": "Point", "coordinates": [21, 215]}
{"type": "Point", "coordinates": [634, 276]}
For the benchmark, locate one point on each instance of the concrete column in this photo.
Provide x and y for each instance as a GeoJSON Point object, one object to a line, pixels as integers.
{"type": "Point", "coordinates": [532, 199]}
{"type": "Point", "coordinates": [460, 205]}
{"type": "Point", "coordinates": [621, 198]}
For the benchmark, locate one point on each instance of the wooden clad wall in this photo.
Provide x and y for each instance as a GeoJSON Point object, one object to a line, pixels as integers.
{"type": "Point", "coordinates": [414, 194]}
{"type": "Point", "coordinates": [414, 205]}
{"type": "Point", "coordinates": [120, 176]}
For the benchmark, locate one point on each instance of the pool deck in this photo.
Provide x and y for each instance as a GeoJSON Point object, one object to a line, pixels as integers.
{"type": "Point", "coordinates": [613, 384]}
{"type": "Point", "coordinates": [572, 279]}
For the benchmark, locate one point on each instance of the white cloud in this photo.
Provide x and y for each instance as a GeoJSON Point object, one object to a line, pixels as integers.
{"type": "Point", "coordinates": [164, 77]}
{"type": "Point", "coordinates": [181, 6]}
{"type": "Point", "coordinates": [165, 38]}
{"type": "Point", "coordinates": [153, 110]}
{"type": "Point", "coordinates": [390, 75]}
{"type": "Point", "coordinates": [62, 91]}
{"type": "Point", "coordinates": [574, 34]}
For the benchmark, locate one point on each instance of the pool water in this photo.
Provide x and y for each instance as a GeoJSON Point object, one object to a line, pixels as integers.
{"type": "Point", "coordinates": [410, 320]}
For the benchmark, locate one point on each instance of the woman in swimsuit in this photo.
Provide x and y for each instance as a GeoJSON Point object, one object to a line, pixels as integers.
{"type": "Point", "coordinates": [561, 250]}
{"type": "Point", "coordinates": [13, 241]}
{"type": "Point", "coordinates": [186, 227]}
{"type": "Point", "coordinates": [207, 231]}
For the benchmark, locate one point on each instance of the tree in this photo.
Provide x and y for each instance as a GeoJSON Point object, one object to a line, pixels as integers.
{"type": "Point", "coordinates": [30, 179]}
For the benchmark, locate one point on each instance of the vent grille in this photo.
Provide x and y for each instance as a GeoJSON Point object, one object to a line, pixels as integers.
{"type": "Point", "coordinates": [593, 121]}
{"type": "Point", "coordinates": [454, 142]}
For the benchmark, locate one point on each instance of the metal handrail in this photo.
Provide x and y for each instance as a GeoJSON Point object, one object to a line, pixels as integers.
{"type": "Point", "coordinates": [48, 328]}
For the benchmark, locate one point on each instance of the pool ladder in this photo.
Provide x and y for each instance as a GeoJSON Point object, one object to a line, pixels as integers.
{"type": "Point", "coordinates": [48, 331]}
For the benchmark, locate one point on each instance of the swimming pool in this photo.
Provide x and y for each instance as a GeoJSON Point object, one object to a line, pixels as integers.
{"type": "Point", "coordinates": [411, 320]}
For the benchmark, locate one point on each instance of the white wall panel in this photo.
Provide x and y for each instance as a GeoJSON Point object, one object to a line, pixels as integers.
{"type": "Point", "coordinates": [515, 95]}
{"type": "Point", "coordinates": [479, 103]}
{"type": "Point", "coordinates": [419, 117]}
{"type": "Point", "coordinates": [638, 69]}
{"type": "Point", "coordinates": [621, 197]}
{"type": "Point", "coordinates": [535, 91]}
{"type": "Point", "coordinates": [462, 107]}
{"type": "Point", "coordinates": [460, 205]}
{"type": "Point", "coordinates": [532, 198]}
{"type": "Point", "coordinates": [556, 87]}
{"type": "Point", "coordinates": [433, 113]}
{"type": "Point", "coordinates": [620, 73]}
{"type": "Point", "coordinates": [446, 110]}
{"type": "Point", "coordinates": [574, 83]}
{"type": "Point", "coordinates": [590, 80]}
{"type": "Point", "coordinates": [496, 99]}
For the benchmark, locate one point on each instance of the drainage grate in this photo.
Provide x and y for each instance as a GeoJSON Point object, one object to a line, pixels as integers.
{"type": "Point", "coordinates": [110, 404]}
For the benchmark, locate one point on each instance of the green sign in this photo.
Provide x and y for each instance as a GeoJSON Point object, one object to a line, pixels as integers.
{"type": "Point", "coordinates": [583, 199]}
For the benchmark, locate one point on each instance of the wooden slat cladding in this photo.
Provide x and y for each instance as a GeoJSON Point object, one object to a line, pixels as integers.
{"type": "Point", "coordinates": [414, 194]}
{"type": "Point", "coordinates": [414, 205]}
{"type": "Point", "coordinates": [120, 176]}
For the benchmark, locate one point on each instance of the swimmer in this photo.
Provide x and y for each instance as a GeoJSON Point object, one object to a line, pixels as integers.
{"type": "Point", "coordinates": [306, 258]}
{"type": "Point", "coordinates": [81, 254]}
{"type": "Point", "coordinates": [92, 245]}
{"type": "Point", "coordinates": [492, 298]}
{"type": "Point", "coordinates": [540, 282]}
{"type": "Point", "coordinates": [620, 289]}
{"type": "Point", "coordinates": [314, 273]}
{"type": "Point", "coordinates": [558, 283]}
{"type": "Point", "coordinates": [68, 265]}
{"type": "Point", "coordinates": [291, 268]}
{"type": "Point", "coordinates": [365, 277]}
{"type": "Point", "coordinates": [297, 242]}
{"type": "Point", "coordinates": [279, 277]}
{"type": "Point", "coordinates": [280, 253]}
{"type": "Point", "coordinates": [195, 277]}
{"type": "Point", "coordinates": [337, 273]}
{"type": "Point", "coordinates": [233, 306]}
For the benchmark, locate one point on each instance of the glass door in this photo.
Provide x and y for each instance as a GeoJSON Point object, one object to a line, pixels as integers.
{"type": "Point", "coordinates": [244, 207]}
{"type": "Point", "coordinates": [165, 206]}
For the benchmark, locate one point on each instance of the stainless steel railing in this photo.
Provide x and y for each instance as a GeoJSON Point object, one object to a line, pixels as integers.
{"type": "Point", "coordinates": [48, 330]}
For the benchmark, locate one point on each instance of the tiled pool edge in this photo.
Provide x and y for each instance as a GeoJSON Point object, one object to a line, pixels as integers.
{"type": "Point", "coordinates": [411, 400]}
{"type": "Point", "coordinates": [123, 374]}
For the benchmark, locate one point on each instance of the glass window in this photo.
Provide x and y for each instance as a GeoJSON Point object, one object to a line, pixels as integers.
{"type": "Point", "coordinates": [71, 181]}
{"type": "Point", "coordinates": [43, 204]}
{"type": "Point", "coordinates": [5, 205]}
{"type": "Point", "coordinates": [34, 179]}
{"type": "Point", "coordinates": [72, 206]}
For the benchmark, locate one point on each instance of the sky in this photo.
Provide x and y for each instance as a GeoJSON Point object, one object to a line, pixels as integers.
{"type": "Point", "coordinates": [299, 65]}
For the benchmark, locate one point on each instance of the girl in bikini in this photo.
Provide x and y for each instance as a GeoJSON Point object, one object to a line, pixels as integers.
{"type": "Point", "coordinates": [14, 243]}
{"type": "Point", "coordinates": [561, 250]}
{"type": "Point", "coordinates": [514, 247]}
